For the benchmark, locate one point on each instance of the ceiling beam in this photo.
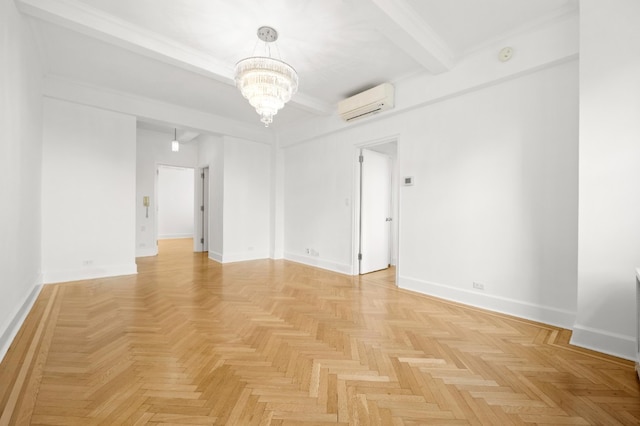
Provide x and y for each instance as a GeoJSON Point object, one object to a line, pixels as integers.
{"type": "Point", "coordinates": [401, 24]}
{"type": "Point", "coordinates": [94, 23]}
{"type": "Point", "coordinates": [153, 110]}
{"type": "Point", "coordinates": [89, 21]}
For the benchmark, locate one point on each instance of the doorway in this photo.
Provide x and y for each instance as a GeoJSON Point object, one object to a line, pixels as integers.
{"type": "Point", "coordinates": [175, 203]}
{"type": "Point", "coordinates": [377, 225]}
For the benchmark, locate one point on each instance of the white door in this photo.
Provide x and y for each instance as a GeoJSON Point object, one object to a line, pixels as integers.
{"type": "Point", "coordinates": [375, 207]}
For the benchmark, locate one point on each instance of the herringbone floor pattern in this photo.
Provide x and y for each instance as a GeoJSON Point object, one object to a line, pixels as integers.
{"type": "Point", "coordinates": [190, 341]}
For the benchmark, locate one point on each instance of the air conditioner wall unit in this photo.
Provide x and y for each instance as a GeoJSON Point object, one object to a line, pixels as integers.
{"type": "Point", "coordinates": [366, 103]}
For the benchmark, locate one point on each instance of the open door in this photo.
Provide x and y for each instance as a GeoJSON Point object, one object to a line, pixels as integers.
{"type": "Point", "coordinates": [375, 211]}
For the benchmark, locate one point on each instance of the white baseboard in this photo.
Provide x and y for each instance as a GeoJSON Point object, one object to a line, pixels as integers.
{"type": "Point", "coordinates": [10, 332]}
{"type": "Point", "coordinates": [51, 277]}
{"type": "Point", "coordinates": [526, 310]}
{"type": "Point", "coordinates": [237, 257]}
{"type": "Point", "coordinates": [242, 257]}
{"type": "Point", "coordinates": [147, 252]}
{"type": "Point", "coordinates": [174, 236]}
{"type": "Point", "coordinates": [604, 341]}
{"type": "Point", "coordinates": [215, 256]}
{"type": "Point", "coordinates": [317, 262]}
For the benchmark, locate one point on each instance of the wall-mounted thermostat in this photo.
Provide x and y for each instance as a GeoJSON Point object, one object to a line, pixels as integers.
{"type": "Point", "coordinates": [407, 180]}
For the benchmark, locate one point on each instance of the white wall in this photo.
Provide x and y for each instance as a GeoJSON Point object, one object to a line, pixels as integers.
{"type": "Point", "coordinates": [175, 202]}
{"type": "Point", "coordinates": [495, 197]}
{"type": "Point", "coordinates": [494, 201]}
{"type": "Point", "coordinates": [20, 174]}
{"type": "Point", "coordinates": [277, 201]}
{"type": "Point", "coordinates": [211, 154]}
{"type": "Point", "coordinates": [247, 195]}
{"type": "Point", "coordinates": [152, 149]}
{"type": "Point", "coordinates": [88, 192]}
{"type": "Point", "coordinates": [318, 200]}
{"type": "Point", "coordinates": [609, 213]}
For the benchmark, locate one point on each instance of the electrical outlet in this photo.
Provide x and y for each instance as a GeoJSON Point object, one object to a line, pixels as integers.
{"type": "Point", "coordinates": [478, 286]}
{"type": "Point", "coordinates": [308, 251]}
{"type": "Point", "coordinates": [87, 262]}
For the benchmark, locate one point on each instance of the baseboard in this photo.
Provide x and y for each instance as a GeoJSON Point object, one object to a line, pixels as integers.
{"type": "Point", "coordinates": [7, 336]}
{"type": "Point", "coordinates": [604, 341]}
{"type": "Point", "coordinates": [237, 257]}
{"type": "Point", "coordinates": [147, 252]}
{"type": "Point", "coordinates": [319, 263]}
{"type": "Point", "coordinates": [539, 313]}
{"type": "Point", "coordinates": [243, 257]}
{"type": "Point", "coordinates": [213, 255]}
{"type": "Point", "coordinates": [52, 277]}
{"type": "Point", "coordinates": [174, 236]}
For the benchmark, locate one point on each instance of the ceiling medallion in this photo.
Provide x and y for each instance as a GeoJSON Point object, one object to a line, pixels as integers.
{"type": "Point", "coordinates": [266, 82]}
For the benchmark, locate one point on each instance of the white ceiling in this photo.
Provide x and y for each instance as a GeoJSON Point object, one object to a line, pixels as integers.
{"type": "Point", "coordinates": [466, 25]}
{"type": "Point", "coordinates": [183, 51]}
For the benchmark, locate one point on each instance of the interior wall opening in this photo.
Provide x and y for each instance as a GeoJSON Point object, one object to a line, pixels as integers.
{"type": "Point", "coordinates": [175, 204]}
{"type": "Point", "coordinates": [377, 212]}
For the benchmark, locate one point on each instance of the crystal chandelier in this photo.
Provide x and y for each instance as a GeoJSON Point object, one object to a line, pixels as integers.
{"type": "Point", "coordinates": [266, 82]}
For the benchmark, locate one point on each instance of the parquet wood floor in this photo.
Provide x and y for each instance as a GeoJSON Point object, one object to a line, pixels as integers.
{"type": "Point", "coordinates": [190, 341]}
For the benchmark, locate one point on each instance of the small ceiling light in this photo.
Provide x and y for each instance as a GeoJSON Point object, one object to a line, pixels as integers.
{"type": "Point", "coordinates": [175, 145]}
{"type": "Point", "coordinates": [266, 82]}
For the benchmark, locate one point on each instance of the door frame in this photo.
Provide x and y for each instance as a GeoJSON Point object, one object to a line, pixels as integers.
{"type": "Point", "coordinates": [201, 218]}
{"type": "Point", "coordinates": [356, 201]}
{"type": "Point", "coordinates": [197, 199]}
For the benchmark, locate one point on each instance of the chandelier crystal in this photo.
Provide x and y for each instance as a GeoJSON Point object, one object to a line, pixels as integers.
{"type": "Point", "coordinates": [267, 83]}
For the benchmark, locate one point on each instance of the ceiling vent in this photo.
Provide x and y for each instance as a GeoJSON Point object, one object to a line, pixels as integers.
{"type": "Point", "coordinates": [366, 103]}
